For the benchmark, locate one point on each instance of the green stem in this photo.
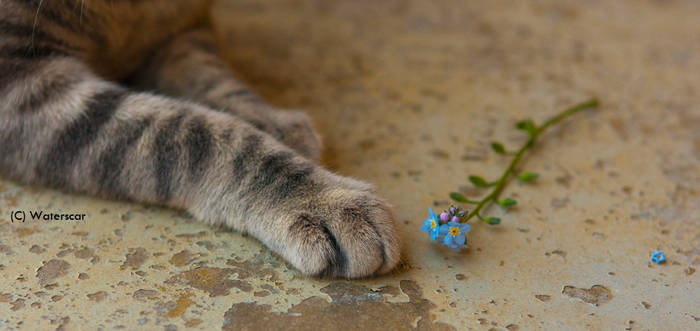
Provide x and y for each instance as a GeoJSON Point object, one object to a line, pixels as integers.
{"type": "Point", "coordinates": [573, 110]}
{"type": "Point", "coordinates": [501, 182]}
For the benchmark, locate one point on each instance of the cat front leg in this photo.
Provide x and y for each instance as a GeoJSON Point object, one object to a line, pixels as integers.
{"type": "Point", "coordinates": [64, 127]}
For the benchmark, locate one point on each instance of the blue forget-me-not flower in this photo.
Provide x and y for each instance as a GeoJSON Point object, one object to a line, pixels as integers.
{"type": "Point", "coordinates": [455, 235]}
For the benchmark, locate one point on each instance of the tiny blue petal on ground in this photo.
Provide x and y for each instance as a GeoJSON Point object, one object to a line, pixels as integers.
{"type": "Point", "coordinates": [658, 257]}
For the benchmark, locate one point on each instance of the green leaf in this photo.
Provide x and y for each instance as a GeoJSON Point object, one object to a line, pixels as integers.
{"type": "Point", "coordinates": [507, 202]}
{"type": "Point", "coordinates": [498, 148]}
{"type": "Point", "coordinates": [528, 176]}
{"type": "Point", "coordinates": [459, 197]}
{"type": "Point", "coordinates": [478, 181]}
{"type": "Point", "coordinates": [493, 220]}
{"type": "Point", "coordinates": [526, 125]}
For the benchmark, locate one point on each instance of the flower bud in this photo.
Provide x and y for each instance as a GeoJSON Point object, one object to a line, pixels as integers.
{"type": "Point", "coordinates": [444, 217]}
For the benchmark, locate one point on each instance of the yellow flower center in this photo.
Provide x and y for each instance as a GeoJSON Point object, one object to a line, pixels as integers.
{"type": "Point", "coordinates": [433, 224]}
{"type": "Point", "coordinates": [454, 231]}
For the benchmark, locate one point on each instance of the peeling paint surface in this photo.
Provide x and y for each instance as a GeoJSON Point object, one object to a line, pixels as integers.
{"type": "Point", "coordinates": [360, 308]}
{"type": "Point", "coordinates": [408, 95]}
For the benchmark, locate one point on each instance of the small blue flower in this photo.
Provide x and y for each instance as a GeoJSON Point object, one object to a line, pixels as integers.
{"type": "Point", "coordinates": [455, 235]}
{"type": "Point", "coordinates": [431, 225]}
{"type": "Point", "coordinates": [658, 257]}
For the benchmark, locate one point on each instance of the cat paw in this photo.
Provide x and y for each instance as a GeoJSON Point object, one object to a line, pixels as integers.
{"type": "Point", "coordinates": [347, 233]}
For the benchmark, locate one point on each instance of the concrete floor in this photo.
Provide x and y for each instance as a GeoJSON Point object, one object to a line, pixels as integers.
{"type": "Point", "coordinates": [408, 94]}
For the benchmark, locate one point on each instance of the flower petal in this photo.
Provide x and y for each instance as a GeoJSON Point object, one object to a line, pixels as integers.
{"type": "Point", "coordinates": [434, 233]}
{"type": "Point", "coordinates": [448, 240]}
{"type": "Point", "coordinates": [432, 214]}
{"type": "Point", "coordinates": [426, 226]}
{"type": "Point", "coordinates": [461, 239]}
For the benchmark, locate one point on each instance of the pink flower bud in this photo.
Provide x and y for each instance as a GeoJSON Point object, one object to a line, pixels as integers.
{"type": "Point", "coordinates": [444, 217]}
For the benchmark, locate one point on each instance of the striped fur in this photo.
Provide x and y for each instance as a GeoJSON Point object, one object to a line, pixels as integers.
{"type": "Point", "coordinates": [199, 140]}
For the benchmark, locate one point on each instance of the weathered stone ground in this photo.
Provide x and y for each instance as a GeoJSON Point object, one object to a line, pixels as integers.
{"type": "Point", "coordinates": [408, 94]}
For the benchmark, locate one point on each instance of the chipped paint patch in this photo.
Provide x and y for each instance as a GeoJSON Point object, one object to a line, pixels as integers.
{"type": "Point", "coordinates": [36, 249]}
{"type": "Point", "coordinates": [51, 270]}
{"type": "Point", "coordinates": [135, 258]}
{"type": "Point", "coordinates": [182, 258]}
{"type": "Point", "coordinates": [543, 297]}
{"type": "Point", "coordinates": [596, 295]}
{"type": "Point", "coordinates": [97, 296]}
{"type": "Point", "coordinates": [81, 253]}
{"type": "Point", "coordinates": [144, 295]}
{"type": "Point", "coordinates": [193, 323]}
{"type": "Point", "coordinates": [214, 281]}
{"type": "Point", "coordinates": [181, 305]}
{"type": "Point", "coordinates": [17, 304]}
{"type": "Point", "coordinates": [256, 267]}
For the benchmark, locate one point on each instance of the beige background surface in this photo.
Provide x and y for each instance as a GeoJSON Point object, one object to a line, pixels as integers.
{"type": "Point", "coordinates": [407, 95]}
